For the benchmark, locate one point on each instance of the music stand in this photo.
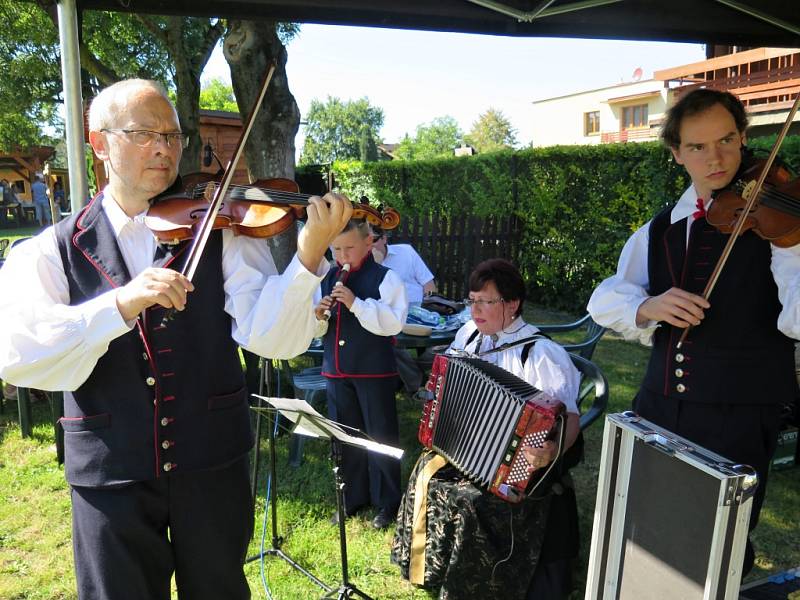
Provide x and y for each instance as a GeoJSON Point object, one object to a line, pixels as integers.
{"type": "Point", "coordinates": [309, 422]}
{"type": "Point", "coordinates": [277, 540]}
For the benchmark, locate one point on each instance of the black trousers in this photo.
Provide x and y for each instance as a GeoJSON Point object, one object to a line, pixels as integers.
{"type": "Point", "coordinates": [410, 373]}
{"type": "Point", "coordinates": [367, 404]}
{"type": "Point", "coordinates": [743, 433]}
{"type": "Point", "coordinates": [129, 540]}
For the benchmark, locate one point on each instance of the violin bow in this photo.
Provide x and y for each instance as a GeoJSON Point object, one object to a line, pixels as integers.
{"type": "Point", "coordinates": [201, 237]}
{"type": "Point", "coordinates": [751, 197]}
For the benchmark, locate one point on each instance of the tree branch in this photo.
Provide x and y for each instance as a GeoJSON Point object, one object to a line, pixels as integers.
{"type": "Point", "coordinates": [152, 27]}
{"type": "Point", "coordinates": [207, 46]}
{"type": "Point", "coordinates": [104, 74]}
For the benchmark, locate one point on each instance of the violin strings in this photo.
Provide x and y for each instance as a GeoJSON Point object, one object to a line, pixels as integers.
{"type": "Point", "coordinates": [780, 201]}
{"type": "Point", "coordinates": [277, 196]}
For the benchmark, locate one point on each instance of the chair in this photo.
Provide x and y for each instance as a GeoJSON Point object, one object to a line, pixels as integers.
{"type": "Point", "coordinates": [584, 348]}
{"type": "Point", "coordinates": [593, 385]}
{"type": "Point", "coordinates": [312, 385]}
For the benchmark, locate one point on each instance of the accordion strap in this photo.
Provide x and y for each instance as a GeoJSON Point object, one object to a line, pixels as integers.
{"type": "Point", "coordinates": [529, 341]}
{"type": "Point", "coordinates": [416, 567]}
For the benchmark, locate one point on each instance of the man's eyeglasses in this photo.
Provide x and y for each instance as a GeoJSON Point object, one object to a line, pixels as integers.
{"type": "Point", "coordinates": [144, 137]}
{"type": "Point", "coordinates": [481, 303]}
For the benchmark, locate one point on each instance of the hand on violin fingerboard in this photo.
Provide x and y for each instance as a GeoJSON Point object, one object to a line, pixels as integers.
{"type": "Point", "coordinates": [327, 217]}
{"type": "Point", "coordinates": [153, 286]}
{"type": "Point", "coordinates": [345, 295]}
{"type": "Point", "coordinates": [675, 306]}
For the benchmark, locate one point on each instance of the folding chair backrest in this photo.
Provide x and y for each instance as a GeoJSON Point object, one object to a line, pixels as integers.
{"type": "Point", "coordinates": [593, 388]}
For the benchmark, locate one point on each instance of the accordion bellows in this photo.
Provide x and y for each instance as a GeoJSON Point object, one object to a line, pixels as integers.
{"type": "Point", "coordinates": [479, 416]}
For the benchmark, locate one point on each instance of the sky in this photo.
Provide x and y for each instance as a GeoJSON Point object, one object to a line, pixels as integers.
{"type": "Point", "coordinates": [416, 76]}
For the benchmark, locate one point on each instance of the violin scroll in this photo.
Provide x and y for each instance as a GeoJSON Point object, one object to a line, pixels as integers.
{"type": "Point", "coordinates": [388, 219]}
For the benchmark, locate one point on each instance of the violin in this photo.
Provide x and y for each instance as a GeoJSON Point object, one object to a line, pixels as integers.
{"type": "Point", "coordinates": [775, 216]}
{"type": "Point", "coordinates": [185, 217]}
{"type": "Point", "coordinates": [262, 209]}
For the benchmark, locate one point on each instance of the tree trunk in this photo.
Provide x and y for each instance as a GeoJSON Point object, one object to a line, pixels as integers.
{"type": "Point", "coordinates": [190, 43]}
{"type": "Point", "coordinates": [249, 48]}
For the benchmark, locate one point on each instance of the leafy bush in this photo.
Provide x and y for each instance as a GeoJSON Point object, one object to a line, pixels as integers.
{"type": "Point", "coordinates": [578, 204]}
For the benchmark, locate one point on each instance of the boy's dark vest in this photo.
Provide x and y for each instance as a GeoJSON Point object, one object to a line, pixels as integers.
{"type": "Point", "coordinates": [162, 399]}
{"type": "Point", "coordinates": [737, 354]}
{"type": "Point", "coordinates": [349, 349]}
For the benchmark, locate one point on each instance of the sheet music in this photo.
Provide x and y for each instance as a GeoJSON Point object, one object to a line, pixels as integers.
{"type": "Point", "coordinates": [307, 421]}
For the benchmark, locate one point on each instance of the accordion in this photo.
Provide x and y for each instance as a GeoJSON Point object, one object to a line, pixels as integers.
{"type": "Point", "coordinates": [479, 416]}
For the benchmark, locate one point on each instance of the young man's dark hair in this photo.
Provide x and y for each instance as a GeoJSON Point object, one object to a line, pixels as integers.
{"type": "Point", "coordinates": [697, 102]}
{"type": "Point", "coordinates": [505, 276]}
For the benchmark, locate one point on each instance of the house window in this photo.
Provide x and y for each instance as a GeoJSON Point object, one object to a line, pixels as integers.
{"type": "Point", "coordinates": [634, 116]}
{"type": "Point", "coordinates": [591, 123]}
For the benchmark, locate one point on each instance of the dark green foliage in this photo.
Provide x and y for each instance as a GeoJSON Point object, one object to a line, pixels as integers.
{"type": "Point", "coordinates": [579, 204]}
{"type": "Point", "coordinates": [334, 129]}
{"type": "Point", "coordinates": [789, 151]}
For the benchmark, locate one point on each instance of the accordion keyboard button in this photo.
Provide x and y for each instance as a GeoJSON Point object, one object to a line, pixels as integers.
{"type": "Point", "coordinates": [678, 372]}
{"type": "Point", "coordinates": [680, 387]}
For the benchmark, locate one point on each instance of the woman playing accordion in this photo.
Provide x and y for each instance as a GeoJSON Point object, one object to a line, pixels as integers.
{"type": "Point", "coordinates": [465, 541]}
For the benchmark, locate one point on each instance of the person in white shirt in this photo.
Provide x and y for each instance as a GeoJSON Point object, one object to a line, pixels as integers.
{"type": "Point", "coordinates": [157, 424]}
{"type": "Point", "coordinates": [473, 537]}
{"type": "Point", "coordinates": [407, 263]}
{"type": "Point", "coordinates": [724, 387]}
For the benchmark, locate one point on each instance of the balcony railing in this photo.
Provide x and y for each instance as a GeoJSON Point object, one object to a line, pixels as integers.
{"type": "Point", "coordinates": [757, 89]}
{"type": "Point", "coordinates": [628, 135]}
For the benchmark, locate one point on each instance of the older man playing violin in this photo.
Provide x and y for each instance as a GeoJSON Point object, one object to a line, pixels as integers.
{"type": "Point", "coordinates": [156, 419]}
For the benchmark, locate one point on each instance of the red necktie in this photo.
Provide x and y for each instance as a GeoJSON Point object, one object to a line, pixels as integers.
{"type": "Point", "coordinates": [701, 209]}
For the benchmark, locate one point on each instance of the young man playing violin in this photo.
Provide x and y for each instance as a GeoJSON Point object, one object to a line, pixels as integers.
{"type": "Point", "coordinates": [724, 387]}
{"type": "Point", "coordinates": [157, 427]}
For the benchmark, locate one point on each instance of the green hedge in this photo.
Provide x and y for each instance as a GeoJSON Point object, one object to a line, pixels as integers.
{"type": "Point", "coordinates": [578, 204]}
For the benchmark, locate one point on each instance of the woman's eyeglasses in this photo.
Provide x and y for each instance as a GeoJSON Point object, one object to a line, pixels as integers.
{"type": "Point", "coordinates": [481, 303]}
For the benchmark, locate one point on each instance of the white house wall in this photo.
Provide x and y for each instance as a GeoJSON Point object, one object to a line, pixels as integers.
{"type": "Point", "coordinates": [560, 120]}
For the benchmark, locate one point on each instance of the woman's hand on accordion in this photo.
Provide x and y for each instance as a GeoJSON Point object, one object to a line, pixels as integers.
{"type": "Point", "coordinates": [540, 457]}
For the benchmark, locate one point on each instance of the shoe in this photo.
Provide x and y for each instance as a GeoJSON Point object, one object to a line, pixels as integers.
{"type": "Point", "coordinates": [384, 518]}
{"type": "Point", "coordinates": [334, 520]}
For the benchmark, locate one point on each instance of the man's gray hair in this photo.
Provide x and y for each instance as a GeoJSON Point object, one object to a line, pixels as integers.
{"type": "Point", "coordinates": [112, 100]}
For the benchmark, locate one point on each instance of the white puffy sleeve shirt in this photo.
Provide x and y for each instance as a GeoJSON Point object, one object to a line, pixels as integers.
{"type": "Point", "coordinates": [47, 344]}
{"type": "Point", "coordinates": [381, 316]}
{"type": "Point", "coordinates": [548, 367]}
{"type": "Point", "coordinates": [616, 300]}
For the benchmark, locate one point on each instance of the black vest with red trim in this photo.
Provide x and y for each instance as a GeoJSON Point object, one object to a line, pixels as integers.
{"type": "Point", "coordinates": [349, 349]}
{"type": "Point", "coordinates": [736, 355]}
{"type": "Point", "coordinates": [162, 399]}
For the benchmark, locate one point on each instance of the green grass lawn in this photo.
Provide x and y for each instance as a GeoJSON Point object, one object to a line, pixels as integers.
{"type": "Point", "coordinates": [35, 550]}
{"type": "Point", "coordinates": [14, 233]}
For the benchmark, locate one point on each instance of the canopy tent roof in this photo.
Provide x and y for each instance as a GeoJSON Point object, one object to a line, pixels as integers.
{"type": "Point", "coordinates": [728, 22]}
